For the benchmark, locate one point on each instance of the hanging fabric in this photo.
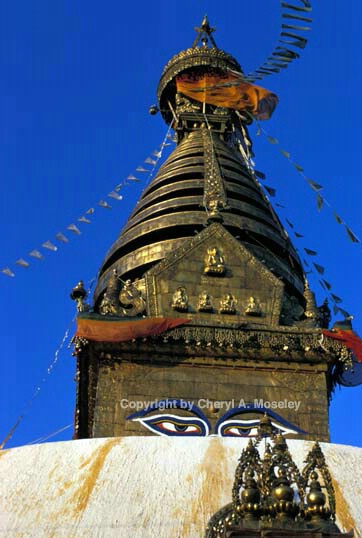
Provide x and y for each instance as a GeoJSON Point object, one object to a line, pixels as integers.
{"type": "Point", "coordinates": [228, 89]}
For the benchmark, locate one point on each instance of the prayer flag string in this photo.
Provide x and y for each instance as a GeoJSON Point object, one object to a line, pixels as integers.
{"type": "Point", "coordinates": [114, 194]}
{"type": "Point", "coordinates": [316, 187]}
{"type": "Point", "coordinates": [318, 269]}
{"type": "Point", "coordinates": [296, 23]}
{"type": "Point", "coordinates": [43, 380]}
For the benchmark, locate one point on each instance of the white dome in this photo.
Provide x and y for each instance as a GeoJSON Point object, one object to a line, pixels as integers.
{"type": "Point", "coordinates": [141, 487]}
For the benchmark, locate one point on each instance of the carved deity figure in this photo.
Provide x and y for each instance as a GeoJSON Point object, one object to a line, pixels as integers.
{"type": "Point", "coordinates": [107, 307]}
{"type": "Point", "coordinates": [214, 262]}
{"type": "Point", "coordinates": [205, 303]}
{"type": "Point", "coordinates": [253, 308]}
{"type": "Point", "coordinates": [228, 304]}
{"type": "Point", "coordinates": [216, 205]}
{"type": "Point", "coordinates": [131, 298]}
{"type": "Point", "coordinates": [180, 301]}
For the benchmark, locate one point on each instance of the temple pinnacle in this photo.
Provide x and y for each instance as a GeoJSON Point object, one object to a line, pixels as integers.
{"type": "Point", "coordinates": [204, 33]}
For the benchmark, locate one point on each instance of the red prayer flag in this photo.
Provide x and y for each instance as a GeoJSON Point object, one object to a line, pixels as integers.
{"type": "Point", "coordinates": [349, 338]}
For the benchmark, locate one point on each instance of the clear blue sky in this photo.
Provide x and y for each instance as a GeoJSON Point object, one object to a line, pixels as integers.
{"type": "Point", "coordinates": [77, 79]}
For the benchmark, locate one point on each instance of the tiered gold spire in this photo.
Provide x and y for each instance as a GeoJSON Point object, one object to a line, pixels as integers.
{"type": "Point", "coordinates": [206, 178]}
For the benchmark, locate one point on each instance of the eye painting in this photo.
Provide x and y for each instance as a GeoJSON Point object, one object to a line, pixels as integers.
{"type": "Point", "coordinates": [248, 428]}
{"type": "Point", "coordinates": [230, 425]}
{"type": "Point", "coordinates": [170, 424]}
{"type": "Point", "coordinates": [167, 424]}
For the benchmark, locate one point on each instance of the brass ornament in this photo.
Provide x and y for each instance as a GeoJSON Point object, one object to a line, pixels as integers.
{"type": "Point", "coordinates": [316, 465]}
{"type": "Point", "coordinates": [270, 495]}
{"type": "Point", "coordinates": [79, 295]}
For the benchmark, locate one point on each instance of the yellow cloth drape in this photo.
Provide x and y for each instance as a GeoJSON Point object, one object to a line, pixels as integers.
{"type": "Point", "coordinates": [228, 90]}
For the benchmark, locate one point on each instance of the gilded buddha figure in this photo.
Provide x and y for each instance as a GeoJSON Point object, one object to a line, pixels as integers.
{"type": "Point", "coordinates": [214, 262]}
{"type": "Point", "coordinates": [228, 304]}
{"type": "Point", "coordinates": [253, 308]}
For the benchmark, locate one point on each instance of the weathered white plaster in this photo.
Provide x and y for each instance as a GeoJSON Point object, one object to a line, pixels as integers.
{"type": "Point", "coordinates": [141, 487]}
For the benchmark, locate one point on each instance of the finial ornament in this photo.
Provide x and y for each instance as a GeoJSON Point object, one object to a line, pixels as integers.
{"type": "Point", "coordinates": [204, 33]}
{"type": "Point", "coordinates": [79, 294]}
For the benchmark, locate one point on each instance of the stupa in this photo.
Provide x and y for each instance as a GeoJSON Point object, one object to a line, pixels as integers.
{"type": "Point", "coordinates": [203, 339]}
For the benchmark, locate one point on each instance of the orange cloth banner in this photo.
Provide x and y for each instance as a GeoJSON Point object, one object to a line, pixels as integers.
{"type": "Point", "coordinates": [228, 90]}
{"type": "Point", "coordinates": [101, 329]}
{"type": "Point", "coordinates": [349, 338]}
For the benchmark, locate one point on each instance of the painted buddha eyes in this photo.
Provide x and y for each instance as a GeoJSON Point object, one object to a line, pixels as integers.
{"type": "Point", "coordinates": [167, 424]}
{"type": "Point", "coordinates": [248, 428]}
{"type": "Point", "coordinates": [238, 428]}
{"type": "Point", "coordinates": [231, 425]}
{"type": "Point", "coordinates": [196, 423]}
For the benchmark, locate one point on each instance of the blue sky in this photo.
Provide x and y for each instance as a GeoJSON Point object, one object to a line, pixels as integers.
{"type": "Point", "coordinates": [77, 80]}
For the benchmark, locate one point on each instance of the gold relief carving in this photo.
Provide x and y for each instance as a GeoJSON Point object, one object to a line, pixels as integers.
{"type": "Point", "coordinates": [107, 307]}
{"type": "Point", "coordinates": [205, 302]}
{"type": "Point", "coordinates": [228, 304]}
{"type": "Point", "coordinates": [253, 307]}
{"type": "Point", "coordinates": [131, 298]}
{"type": "Point", "coordinates": [214, 262]}
{"type": "Point", "coordinates": [180, 300]}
